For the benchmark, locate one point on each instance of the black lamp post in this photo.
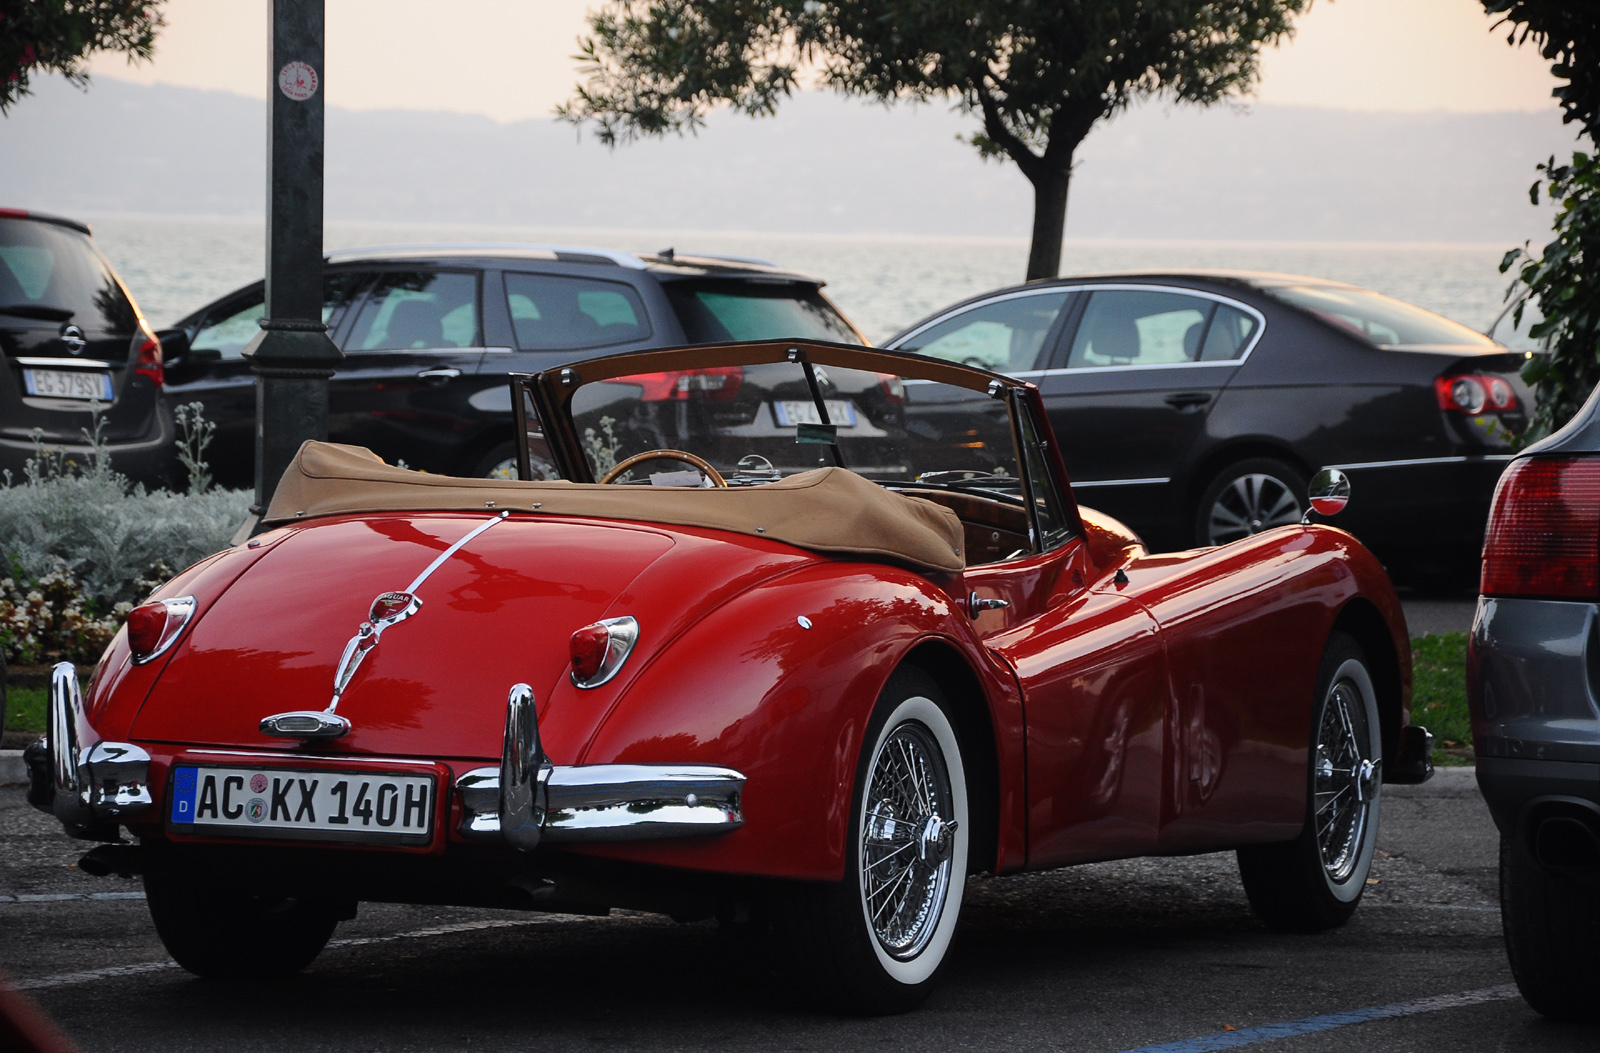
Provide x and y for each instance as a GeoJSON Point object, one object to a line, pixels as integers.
{"type": "Point", "coordinates": [292, 357]}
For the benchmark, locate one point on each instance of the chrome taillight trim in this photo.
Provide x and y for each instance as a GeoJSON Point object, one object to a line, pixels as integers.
{"type": "Point", "coordinates": [179, 611]}
{"type": "Point", "coordinates": [621, 636]}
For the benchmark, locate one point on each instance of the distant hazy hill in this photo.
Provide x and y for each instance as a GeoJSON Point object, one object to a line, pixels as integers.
{"type": "Point", "coordinates": [821, 165]}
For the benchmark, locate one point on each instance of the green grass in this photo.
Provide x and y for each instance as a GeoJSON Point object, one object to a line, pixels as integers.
{"type": "Point", "coordinates": [1439, 695]}
{"type": "Point", "coordinates": [25, 708]}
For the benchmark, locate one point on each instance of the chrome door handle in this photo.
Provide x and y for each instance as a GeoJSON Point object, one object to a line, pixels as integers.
{"type": "Point", "coordinates": [976, 605]}
{"type": "Point", "coordinates": [440, 373]}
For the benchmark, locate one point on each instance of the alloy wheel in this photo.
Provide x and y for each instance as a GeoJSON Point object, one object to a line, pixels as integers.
{"type": "Point", "coordinates": [1250, 504]}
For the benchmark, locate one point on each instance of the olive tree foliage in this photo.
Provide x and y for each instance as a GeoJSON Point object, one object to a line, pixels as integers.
{"type": "Point", "coordinates": [45, 36]}
{"type": "Point", "coordinates": [1565, 277]}
{"type": "Point", "coordinates": [1039, 73]}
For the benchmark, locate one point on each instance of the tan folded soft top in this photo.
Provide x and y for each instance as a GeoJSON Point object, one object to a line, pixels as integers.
{"type": "Point", "coordinates": [827, 510]}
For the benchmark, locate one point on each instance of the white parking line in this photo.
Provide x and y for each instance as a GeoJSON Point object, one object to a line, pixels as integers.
{"type": "Point", "coordinates": [114, 971]}
{"type": "Point", "coordinates": [67, 897]}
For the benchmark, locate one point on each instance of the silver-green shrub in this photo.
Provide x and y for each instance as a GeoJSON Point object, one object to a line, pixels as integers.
{"type": "Point", "coordinates": [115, 539]}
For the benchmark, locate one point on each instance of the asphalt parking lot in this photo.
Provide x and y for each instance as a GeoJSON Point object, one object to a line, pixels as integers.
{"type": "Point", "coordinates": [1112, 957]}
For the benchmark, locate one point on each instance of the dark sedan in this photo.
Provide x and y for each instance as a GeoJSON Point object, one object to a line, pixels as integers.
{"type": "Point", "coordinates": [1195, 405]}
{"type": "Point", "coordinates": [430, 333]}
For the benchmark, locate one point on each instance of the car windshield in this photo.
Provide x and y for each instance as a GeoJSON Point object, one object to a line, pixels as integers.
{"type": "Point", "coordinates": [52, 274]}
{"type": "Point", "coordinates": [720, 311]}
{"type": "Point", "coordinates": [1379, 319]}
{"type": "Point", "coordinates": [757, 423]}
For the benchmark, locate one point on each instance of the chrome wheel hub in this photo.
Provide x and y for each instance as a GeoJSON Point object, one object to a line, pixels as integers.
{"type": "Point", "coordinates": [1249, 505]}
{"type": "Point", "coordinates": [1345, 780]}
{"type": "Point", "coordinates": [906, 842]}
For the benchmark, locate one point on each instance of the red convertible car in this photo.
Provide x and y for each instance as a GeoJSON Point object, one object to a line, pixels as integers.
{"type": "Point", "coordinates": [714, 671]}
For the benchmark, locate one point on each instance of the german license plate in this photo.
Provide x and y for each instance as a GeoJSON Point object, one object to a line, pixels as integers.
{"type": "Point", "coordinates": [841, 413]}
{"type": "Point", "coordinates": [378, 807]}
{"type": "Point", "coordinates": [67, 384]}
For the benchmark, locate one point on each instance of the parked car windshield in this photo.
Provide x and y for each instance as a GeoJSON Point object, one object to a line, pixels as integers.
{"type": "Point", "coordinates": [757, 423]}
{"type": "Point", "coordinates": [49, 273]}
{"type": "Point", "coordinates": [1383, 321]}
{"type": "Point", "coordinates": [718, 312]}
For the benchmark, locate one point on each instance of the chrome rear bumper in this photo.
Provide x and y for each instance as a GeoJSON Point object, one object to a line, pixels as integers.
{"type": "Point", "coordinates": [527, 799]}
{"type": "Point", "coordinates": [89, 782]}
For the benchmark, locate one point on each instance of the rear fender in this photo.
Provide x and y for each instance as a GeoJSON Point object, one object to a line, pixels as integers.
{"type": "Point", "coordinates": [749, 687]}
{"type": "Point", "coordinates": [118, 687]}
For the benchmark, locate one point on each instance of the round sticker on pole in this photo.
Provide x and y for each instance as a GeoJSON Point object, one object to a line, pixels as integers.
{"type": "Point", "coordinates": [298, 81]}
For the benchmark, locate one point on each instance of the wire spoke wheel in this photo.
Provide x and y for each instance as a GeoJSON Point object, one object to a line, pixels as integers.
{"type": "Point", "coordinates": [1250, 504]}
{"type": "Point", "coordinates": [1345, 779]}
{"type": "Point", "coordinates": [906, 836]}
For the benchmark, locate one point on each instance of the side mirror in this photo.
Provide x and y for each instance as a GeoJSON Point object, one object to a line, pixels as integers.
{"type": "Point", "coordinates": [1329, 492]}
{"type": "Point", "coordinates": [174, 345]}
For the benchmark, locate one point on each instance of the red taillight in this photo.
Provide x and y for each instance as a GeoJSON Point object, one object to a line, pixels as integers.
{"type": "Point", "coordinates": [149, 363]}
{"type": "Point", "coordinates": [718, 383]}
{"type": "Point", "coordinates": [893, 388]}
{"type": "Point", "coordinates": [599, 650]}
{"type": "Point", "coordinates": [153, 626]}
{"type": "Point", "coordinates": [145, 626]}
{"type": "Point", "coordinates": [1474, 393]}
{"type": "Point", "coordinates": [1544, 531]}
{"type": "Point", "coordinates": [589, 646]}
{"type": "Point", "coordinates": [13, 213]}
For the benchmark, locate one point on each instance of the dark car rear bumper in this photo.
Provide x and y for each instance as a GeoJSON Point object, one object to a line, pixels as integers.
{"type": "Point", "coordinates": [1531, 684]}
{"type": "Point", "coordinates": [151, 460]}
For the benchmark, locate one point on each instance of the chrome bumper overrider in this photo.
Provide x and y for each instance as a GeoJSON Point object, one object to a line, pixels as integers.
{"type": "Point", "coordinates": [527, 799]}
{"type": "Point", "coordinates": [94, 780]}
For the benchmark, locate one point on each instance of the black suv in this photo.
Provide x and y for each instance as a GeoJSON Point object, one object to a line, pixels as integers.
{"type": "Point", "coordinates": [430, 333]}
{"type": "Point", "coordinates": [75, 343]}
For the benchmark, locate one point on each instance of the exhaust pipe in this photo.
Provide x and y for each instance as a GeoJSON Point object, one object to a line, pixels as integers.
{"type": "Point", "coordinates": [1566, 842]}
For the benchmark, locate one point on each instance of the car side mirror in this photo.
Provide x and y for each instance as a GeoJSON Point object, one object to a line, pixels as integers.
{"type": "Point", "coordinates": [174, 345]}
{"type": "Point", "coordinates": [1328, 492]}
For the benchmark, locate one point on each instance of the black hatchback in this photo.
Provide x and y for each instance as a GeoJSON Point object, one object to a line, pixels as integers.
{"type": "Point", "coordinates": [430, 333]}
{"type": "Point", "coordinates": [78, 353]}
{"type": "Point", "coordinates": [1195, 405]}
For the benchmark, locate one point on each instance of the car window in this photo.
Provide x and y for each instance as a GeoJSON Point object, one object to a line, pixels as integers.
{"type": "Point", "coordinates": [1047, 504]}
{"type": "Point", "coordinates": [1516, 334]}
{"type": "Point", "coordinates": [722, 311]}
{"type": "Point", "coordinates": [233, 325]}
{"type": "Point", "coordinates": [1003, 335]}
{"type": "Point", "coordinates": [1133, 327]}
{"type": "Point", "coordinates": [54, 274]}
{"type": "Point", "coordinates": [1228, 335]}
{"type": "Point", "coordinates": [1379, 319]}
{"type": "Point", "coordinates": [418, 309]}
{"type": "Point", "coordinates": [552, 313]}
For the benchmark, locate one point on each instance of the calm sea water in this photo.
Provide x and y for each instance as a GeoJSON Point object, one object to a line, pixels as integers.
{"type": "Point", "coordinates": [174, 264]}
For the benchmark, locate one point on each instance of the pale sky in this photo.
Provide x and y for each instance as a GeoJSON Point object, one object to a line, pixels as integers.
{"type": "Point", "coordinates": [511, 59]}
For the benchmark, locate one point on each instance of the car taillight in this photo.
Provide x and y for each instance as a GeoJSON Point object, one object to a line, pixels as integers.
{"type": "Point", "coordinates": [893, 388]}
{"type": "Point", "coordinates": [1544, 530]}
{"type": "Point", "coordinates": [153, 626]}
{"type": "Point", "coordinates": [718, 384]}
{"type": "Point", "coordinates": [149, 362]}
{"type": "Point", "coordinates": [1473, 393]}
{"type": "Point", "coordinates": [599, 650]}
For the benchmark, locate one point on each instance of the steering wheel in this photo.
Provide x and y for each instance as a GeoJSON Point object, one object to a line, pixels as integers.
{"type": "Point", "coordinates": [685, 456]}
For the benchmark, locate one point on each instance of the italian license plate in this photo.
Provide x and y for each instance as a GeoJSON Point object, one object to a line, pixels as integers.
{"type": "Point", "coordinates": [67, 384]}
{"type": "Point", "coordinates": [841, 413]}
{"type": "Point", "coordinates": [376, 807]}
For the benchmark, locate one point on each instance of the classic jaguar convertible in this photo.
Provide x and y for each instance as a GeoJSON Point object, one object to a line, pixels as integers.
{"type": "Point", "coordinates": [716, 671]}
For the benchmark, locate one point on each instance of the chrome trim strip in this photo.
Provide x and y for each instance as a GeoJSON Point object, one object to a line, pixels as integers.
{"type": "Point", "coordinates": [1076, 485]}
{"type": "Point", "coordinates": [452, 550]}
{"type": "Point", "coordinates": [85, 364]}
{"type": "Point", "coordinates": [1080, 370]}
{"type": "Point", "coordinates": [1423, 460]}
{"type": "Point", "coordinates": [1261, 321]}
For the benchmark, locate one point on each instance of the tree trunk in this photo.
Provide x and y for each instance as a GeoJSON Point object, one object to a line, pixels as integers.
{"type": "Point", "coordinates": [1049, 219]}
